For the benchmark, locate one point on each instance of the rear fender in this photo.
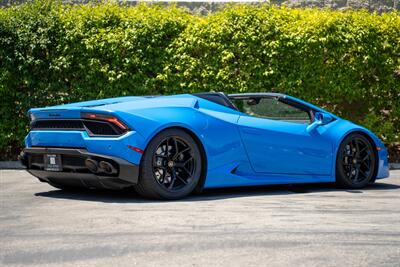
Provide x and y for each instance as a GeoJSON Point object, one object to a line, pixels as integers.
{"type": "Point", "coordinates": [217, 132]}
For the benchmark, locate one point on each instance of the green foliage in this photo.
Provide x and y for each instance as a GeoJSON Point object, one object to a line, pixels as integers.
{"type": "Point", "coordinates": [347, 62]}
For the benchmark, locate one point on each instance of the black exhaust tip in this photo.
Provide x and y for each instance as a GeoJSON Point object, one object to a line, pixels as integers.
{"type": "Point", "coordinates": [107, 167]}
{"type": "Point", "coordinates": [91, 165]}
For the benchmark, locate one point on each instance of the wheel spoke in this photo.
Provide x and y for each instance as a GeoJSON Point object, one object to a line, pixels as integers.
{"type": "Point", "coordinates": [180, 152]}
{"type": "Point", "coordinates": [366, 165]}
{"type": "Point", "coordinates": [173, 179]}
{"type": "Point", "coordinates": [167, 148]}
{"type": "Point", "coordinates": [187, 161]}
{"type": "Point", "coordinates": [176, 147]}
{"type": "Point", "coordinates": [357, 174]}
{"type": "Point", "coordinates": [363, 173]}
{"type": "Point", "coordinates": [171, 185]}
{"type": "Point", "coordinates": [183, 164]}
{"type": "Point", "coordinates": [357, 148]}
{"type": "Point", "coordinates": [362, 149]}
{"type": "Point", "coordinates": [364, 158]}
{"type": "Point", "coordinates": [186, 170]}
{"type": "Point", "coordinates": [181, 179]}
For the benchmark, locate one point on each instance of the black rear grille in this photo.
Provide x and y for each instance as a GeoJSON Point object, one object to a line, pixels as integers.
{"type": "Point", "coordinates": [102, 128]}
{"type": "Point", "coordinates": [93, 127]}
{"type": "Point", "coordinates": [58, 124]}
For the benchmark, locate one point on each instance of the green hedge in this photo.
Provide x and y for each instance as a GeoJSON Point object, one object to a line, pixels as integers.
{"type": "Point", "coordinates": [347, 62]}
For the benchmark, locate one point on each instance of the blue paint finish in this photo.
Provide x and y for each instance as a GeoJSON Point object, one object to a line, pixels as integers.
{"type": "Point", "coordinates": [273, 146]}
{"type": "Point", "coordinates": [240, 150]}
{"type": "Point", "coordinates": [56, 139]}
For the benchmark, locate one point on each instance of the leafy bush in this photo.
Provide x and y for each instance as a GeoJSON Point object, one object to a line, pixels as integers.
{"type": "Point", "coordinates": [347, 62]}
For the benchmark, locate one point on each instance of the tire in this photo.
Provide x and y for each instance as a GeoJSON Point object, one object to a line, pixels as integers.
{"type": "Point", "coordinates": [170, 167]}
{"type": "Point", "coordinates": [355, 162]}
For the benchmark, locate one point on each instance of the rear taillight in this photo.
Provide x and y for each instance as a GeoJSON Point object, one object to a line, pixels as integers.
{"type": "Point", "coordinates": [108, 118]}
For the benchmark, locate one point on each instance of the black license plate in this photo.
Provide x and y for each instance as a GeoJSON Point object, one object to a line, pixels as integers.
{"type": "Point", "coordinates": [52, 162]}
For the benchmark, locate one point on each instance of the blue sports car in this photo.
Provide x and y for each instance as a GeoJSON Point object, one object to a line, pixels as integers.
{"type": "Point", "coordinates": [166, 147]}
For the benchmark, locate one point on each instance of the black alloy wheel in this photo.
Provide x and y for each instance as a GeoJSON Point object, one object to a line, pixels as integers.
{"type": "Point", "coordinates": [356, 162]}
{"type": "Point", "coordinates": [171, 166]}
{"type": "Point", "coordinates": [173, 163]}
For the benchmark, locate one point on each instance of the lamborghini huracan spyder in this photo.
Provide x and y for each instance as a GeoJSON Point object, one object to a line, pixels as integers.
{"type": "Point", "coordinates": [169, 146]}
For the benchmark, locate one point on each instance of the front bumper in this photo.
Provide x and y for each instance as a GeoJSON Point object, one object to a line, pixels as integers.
{"type": "Point", "coordinates": [74, 171]}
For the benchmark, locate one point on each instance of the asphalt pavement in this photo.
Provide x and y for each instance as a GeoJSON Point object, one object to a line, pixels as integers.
{"type": "Point", "coordinates": [303, 225]}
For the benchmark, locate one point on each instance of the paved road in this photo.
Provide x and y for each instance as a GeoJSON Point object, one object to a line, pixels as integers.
{"type": "Point", "coordinates": [314, 225]}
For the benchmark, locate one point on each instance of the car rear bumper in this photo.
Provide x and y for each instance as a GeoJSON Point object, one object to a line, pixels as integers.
{"type": "Point", "coordinates": [75, 171]}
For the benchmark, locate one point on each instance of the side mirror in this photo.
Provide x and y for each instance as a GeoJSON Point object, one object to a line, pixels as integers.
{"type": "Point", "coordinates": [319, 119]}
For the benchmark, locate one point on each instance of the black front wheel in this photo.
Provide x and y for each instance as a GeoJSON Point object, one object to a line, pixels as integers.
{"type": "Point", "coordinates": [170, 167]}
{"type": "Point", "coordinates": [356, 162]}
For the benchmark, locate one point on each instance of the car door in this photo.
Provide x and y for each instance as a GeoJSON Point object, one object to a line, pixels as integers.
{"type": "Point", "coordinates": [276, 139]}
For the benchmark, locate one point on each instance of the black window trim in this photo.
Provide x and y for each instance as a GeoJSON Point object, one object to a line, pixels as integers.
{"type": "Point", "coordinates": [222, 96]}
{"type": "Point", "coordinates": [278, 96]}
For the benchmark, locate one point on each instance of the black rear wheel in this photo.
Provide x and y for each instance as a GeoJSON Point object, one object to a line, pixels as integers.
{"type": "Point", "coordinates": [170, 167]}
{"type": "Point", "coordinates": [356, 162]}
